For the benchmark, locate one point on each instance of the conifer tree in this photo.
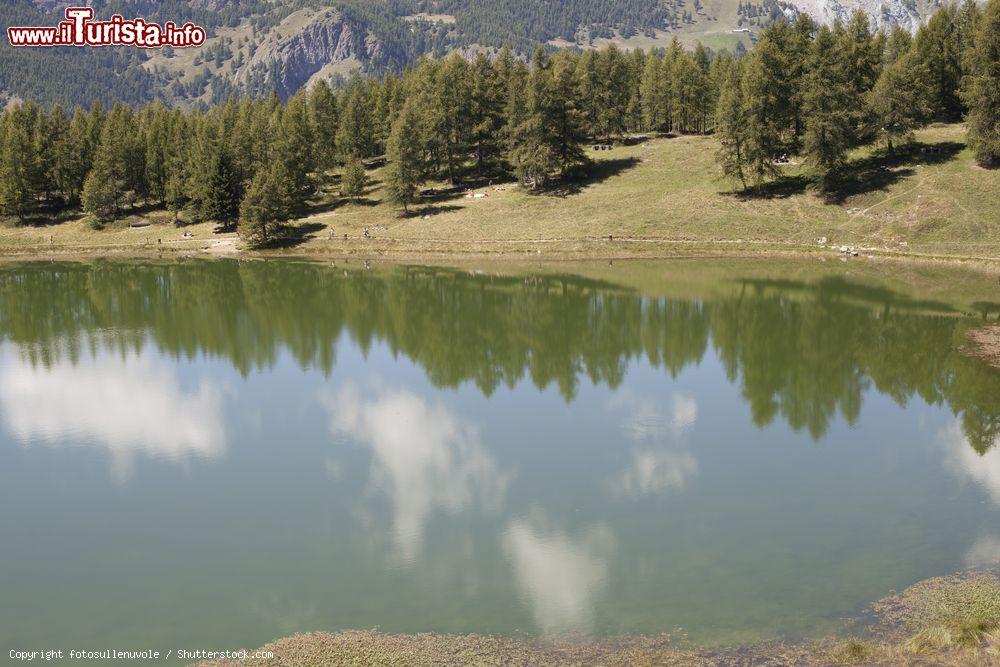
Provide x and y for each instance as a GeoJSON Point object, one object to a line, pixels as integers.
{"type": "Point", "coordinates": [323, 116]}
{"type": "Point", "coordinates": [354, 129]}
{"type": "Point", "coordinates": [266, 207]}
{"type": "Point", "coordinates": [762, 98]}
{"type": "Point", "coordinates": [294, 148]}
{"type": "Point", "coordinates": [15, 161]}
{"type": "Point", "coordinates": [731, 126]}
{"type": "Point", "coordinates": [225, 191]}
{"type": "Point", "coordinates": [937, 48]}
{"type": "Point", "coordinates": [861, 58]}
{"type": "Point", "coordinates": [485, 112]}
{"type": "Point", "coordinates": [828, 118]}
{"type": "Point", "coordinates": [405, 170]}
{"type": "Point", "coordinates": [117, 177]}
{"type": "Point", "coordinates": [896, 105]}
{"type": "Point", "coordinates": [353, 180]}
{"type": "Point", "coordinates": [653, 92]}
{"type": "Point", "coordinates": [982, 89]}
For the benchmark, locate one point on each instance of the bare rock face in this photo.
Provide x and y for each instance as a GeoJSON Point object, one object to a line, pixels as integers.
{"type": "Point", "coordinates": [327, 39]}
{"type": "Point", "coordinates": [909, 14]}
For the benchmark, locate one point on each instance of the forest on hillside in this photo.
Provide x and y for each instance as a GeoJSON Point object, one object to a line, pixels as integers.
{"type": "Point", "coordinates": [74, 77]}
{"type": "Point", "coordinates": [806, 90]}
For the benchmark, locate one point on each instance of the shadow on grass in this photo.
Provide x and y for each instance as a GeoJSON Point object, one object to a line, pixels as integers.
{"type": "Point", "coordinates": [437, 209]}
{"type": "Point", "coordinates": [578, 178]}
{"type": "Point", "coordinates": [873, 173]}
{"type": "Point", "coordinates": [296, 235]}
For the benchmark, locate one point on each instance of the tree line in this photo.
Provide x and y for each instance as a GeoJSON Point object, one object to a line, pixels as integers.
{"type": "Point", "coordinates": [821, 91]}
{"type": "Point", "coordinates": [817, 91]}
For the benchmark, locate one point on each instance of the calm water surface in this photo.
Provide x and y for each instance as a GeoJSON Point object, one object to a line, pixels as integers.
{"type": "Point", "coordinates": [214, 454]}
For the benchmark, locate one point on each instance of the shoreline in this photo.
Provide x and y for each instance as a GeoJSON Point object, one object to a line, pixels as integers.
{"type": "Point", "coordinates": [949, 620]}
{"type": "Point", "coordinates": [404, 250]}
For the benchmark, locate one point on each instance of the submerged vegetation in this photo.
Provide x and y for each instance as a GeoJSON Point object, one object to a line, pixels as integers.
{"type": "Point", "coordinates": [944, 621]}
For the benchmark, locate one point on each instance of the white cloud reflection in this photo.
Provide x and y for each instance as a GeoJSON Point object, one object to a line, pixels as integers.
{"type": "Point", "coordinates": [984, 552]}
{"type": "Point", "coordinates": [424, 458]}
{"type": "Point", "coordinates": [660, 461]}
{"type": "Point", "coordinates": [127, 406]}
{"type": "Point", "coordinates": [981, 469]}
{"type": "Point", "coordinates": [559, 575]}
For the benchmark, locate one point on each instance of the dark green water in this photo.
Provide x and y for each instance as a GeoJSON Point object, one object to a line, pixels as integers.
{"type": "Point", "coordinates": [209, 455]}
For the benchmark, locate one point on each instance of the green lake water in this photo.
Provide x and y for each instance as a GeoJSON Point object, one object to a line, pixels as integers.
{"type": "Point", "coordinates": [212, 454]}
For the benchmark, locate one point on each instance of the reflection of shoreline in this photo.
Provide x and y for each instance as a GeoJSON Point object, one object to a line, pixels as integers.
{"type": "Point", "coordinates": [127, 406]}
{"type": "Point", "coordinates": [807, 350]}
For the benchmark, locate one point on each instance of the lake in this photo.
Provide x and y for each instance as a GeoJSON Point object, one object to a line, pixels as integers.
{"type": "Point", "coordinates": [213, 454]}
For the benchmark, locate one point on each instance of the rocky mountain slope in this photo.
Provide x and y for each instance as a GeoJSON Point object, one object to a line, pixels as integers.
{"type": "Point", "coordinates": [259, 46]}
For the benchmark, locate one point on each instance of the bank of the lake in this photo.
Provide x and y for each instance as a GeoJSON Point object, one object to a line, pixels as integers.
{"type": "Point", "coordinates": [953, 620]}
{"type": "Point", "coordinates": [650, 197]}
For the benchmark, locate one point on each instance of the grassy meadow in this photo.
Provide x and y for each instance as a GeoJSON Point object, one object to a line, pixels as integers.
{"type": "Point", "coordinates": [652, 197]}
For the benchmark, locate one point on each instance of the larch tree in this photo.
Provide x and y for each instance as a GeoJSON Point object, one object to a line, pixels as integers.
{"type": "Point", "coordinates": [897, 106]}
{"type": "Point", "coordinates": [405, 169]}
{"type": "Point", "coordinates": [731, 126]}
{"type": "Point", "coordinates": [982, 89]}
{"type": "Point", "coordinates": [829, 120]}
{"type": "Point", "coordinates": [267, 206]}
{"type": "Point", "coordinates": [353, 179]}
{"type": "Point", "coordinates": [323, 117]}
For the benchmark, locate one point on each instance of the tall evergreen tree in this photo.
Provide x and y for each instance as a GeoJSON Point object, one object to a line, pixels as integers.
{"type": "Point", "coordinates": [225, 191]}
{"type": "Point", "coordinates": [731, 126]}
{"type": "Point", "coordinates": [323, 117]}
{"type": "Point", "coordinates": [267, 206]}
{"type": "Point", "coordinates": [15, 163]}
{"type": "Point", "coordinates": [982, 89]}
{"type": "Point", "coordinates": [938, 49]}
{"type": "Point", "coordinates": [353, 179]}
{"type": "Point", "coordinates": [896, 105]}
{"type": "Point", "coordinates": [828, 114]}
{"type": "Point", "coordinates": [763, 97]}
{"type": "Point", "coordinates": [405, 170]}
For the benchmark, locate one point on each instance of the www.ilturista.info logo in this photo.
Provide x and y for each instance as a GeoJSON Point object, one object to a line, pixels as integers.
{"type": "Point", "coordinates": [80, 30]}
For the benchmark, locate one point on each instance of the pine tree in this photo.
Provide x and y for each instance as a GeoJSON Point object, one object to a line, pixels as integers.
{"type": "Point", "coordinates": [653, 93]}
{"type": "Point", "coordinates": [405, 170]}
{"type": "Point", "coordinates": [354, 128]}
{"type": "Point", "coordinates": [117, 177]}
{"type": "Point", "coordinates": [763, 140]}
{"type": "Point", "coordinates": [485, 112]}
{"type": "Point", "coordinates": [266, 207]}
{"type": "Point", "coordinates": [828, 117]}
{"type": "Point", "coordinates": [896, 106]}
{"type": "Point", "coordinates": [225, 191]}
{"type": "Point", "coordinates": [323, 116]}
{"type": "Point", "coordinates": [861, 58]}
{"type": "Point", "coordinates": [938, 49]}
{"type": "Point", "coordinates": [294, 148]}
{"type": "Point", "coordinates": [731, 126]}
{"type": "Point", "coordinates": [15, 160]}
{"type": "Point", "coordinates": [353, 180]}
{"type": "Point", "coordinates": [982, 89]}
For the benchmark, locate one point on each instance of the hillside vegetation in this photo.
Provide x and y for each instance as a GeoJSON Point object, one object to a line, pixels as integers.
{"type": "Point", "coordinates": [250, 41]}
{"type": "Point", "coordinates": [654, 197]}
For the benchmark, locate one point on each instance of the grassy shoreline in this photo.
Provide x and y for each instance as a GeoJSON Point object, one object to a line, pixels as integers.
{"type": "Point", "coordinates": [952, 620]}
{"type": "Point", "coordinates": [652, 197]}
